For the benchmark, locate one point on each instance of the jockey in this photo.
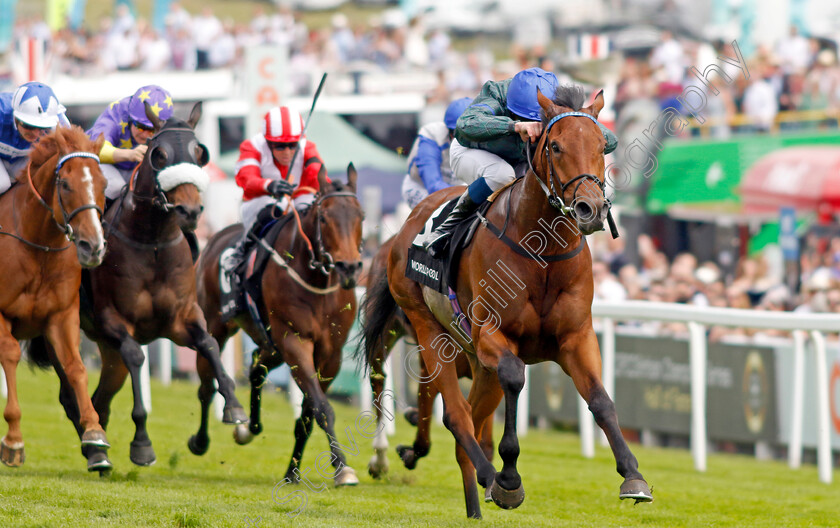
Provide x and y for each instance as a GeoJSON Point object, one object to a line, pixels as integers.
{"type": "Point", "coordinates": [428, 161]}
{"type": "Point", "coordinates": [26, 115]}
{"type": "Point", "coordinates": [266, 179]}
{"type": "Point", "coordinates": [126, 129]}
{"type": "Point", "coordinates": [489, 140]}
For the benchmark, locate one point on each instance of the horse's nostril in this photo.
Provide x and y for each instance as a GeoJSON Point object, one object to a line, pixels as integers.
{"type": "Point", "coordinates": [583, 211]}
{"type": "Point", "coordinates": [84, 247]}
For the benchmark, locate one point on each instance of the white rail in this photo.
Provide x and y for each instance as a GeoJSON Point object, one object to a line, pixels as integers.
{"type": "Point", "coordinates": [697, 319]}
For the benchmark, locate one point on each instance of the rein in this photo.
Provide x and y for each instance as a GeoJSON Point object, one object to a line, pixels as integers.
{"type": "Point", "coordinates": [324, 267]}
{"type": "Point", "coordinates": [65, 228]}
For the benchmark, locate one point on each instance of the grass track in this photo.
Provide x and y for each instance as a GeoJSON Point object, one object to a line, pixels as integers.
{"type": "Point", "coordinates": [231, 482]}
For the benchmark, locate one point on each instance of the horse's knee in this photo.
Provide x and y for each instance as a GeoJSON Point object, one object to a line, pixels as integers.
{"type": "Point", "coordinates": [206, 392]}
{"type": "Point", "coordinates": [511, 372]}
{"type": "Point", "coordinates": [132, 355]}
{"type": "Point", "coordinates": [601, 406]}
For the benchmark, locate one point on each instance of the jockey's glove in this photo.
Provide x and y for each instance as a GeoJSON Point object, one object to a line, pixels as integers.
{"type": "Point", "coordinates": [279, 188]}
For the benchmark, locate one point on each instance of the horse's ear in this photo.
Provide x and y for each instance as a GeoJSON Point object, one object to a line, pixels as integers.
{"type": "Point", "coordinates": [195, 115]}
{"type": "Point", "coordinates": [323, 184]}
{"type": "Point", "coordinates": [545, 103]}
{"type": "Point", "coordinates": [152, 116]}
{"type": "Point", "coordinates": [596, 106]}
{"type": "Point", "coordinates": [97, 144]}
{"type": "Point", "coordinates": [351, 177]}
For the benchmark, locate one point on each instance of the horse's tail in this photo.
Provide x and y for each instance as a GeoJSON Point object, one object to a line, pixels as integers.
{"type": "Point", "coordinates": [377, 311]}
{"type": "Point", "coordinates": [37, 352]}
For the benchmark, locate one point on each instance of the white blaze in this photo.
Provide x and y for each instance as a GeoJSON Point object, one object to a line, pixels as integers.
{"type": "Point", "coordinates": [87, 179]}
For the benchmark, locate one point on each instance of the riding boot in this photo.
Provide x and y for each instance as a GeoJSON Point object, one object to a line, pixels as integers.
{"type": "Point", "coordinates": [237, 259]}
{"type": "Point", "coordinates": [436, 247]}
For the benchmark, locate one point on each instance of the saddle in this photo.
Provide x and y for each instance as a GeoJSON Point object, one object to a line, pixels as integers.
{"type": "Point", "coordinates": [440, 274]}
{"type": "Point", "coordinates": [243, 293]}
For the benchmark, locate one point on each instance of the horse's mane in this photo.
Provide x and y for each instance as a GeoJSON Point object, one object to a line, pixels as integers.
{"type": "Point", "coordinates": [568, 96]}
{"type": "Point", "coordinates": [46, 147]}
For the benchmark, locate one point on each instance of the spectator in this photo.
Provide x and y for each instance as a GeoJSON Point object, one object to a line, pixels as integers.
{"type": "Point", "coordinates": [206, 28]}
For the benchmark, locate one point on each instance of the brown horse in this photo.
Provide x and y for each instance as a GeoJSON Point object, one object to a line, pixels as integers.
{"type": "Point", "coordinates": [145, 288]}
{"type": "Point", "coordinates": [525, 305]}
{"type": "Point", "coordinates": [396, 328]}
{"type": "Point", "coordinates": [56, 204]}
{"type": "Point", "coordinates": [308, 304]}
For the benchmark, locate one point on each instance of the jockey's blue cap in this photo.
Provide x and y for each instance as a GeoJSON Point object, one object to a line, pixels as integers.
{"type": "Point", "coordinates": [522, 92]}
{"type": "Point", "coordinates": [454, 111]}
{"type": "Point", "coordinates": [35, 104]}
{"type": "Point", "coordinates": [158, 98]}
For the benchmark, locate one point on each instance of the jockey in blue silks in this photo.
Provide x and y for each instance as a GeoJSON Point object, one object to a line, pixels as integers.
{"type": "Point", "coordinates": [126, 129]}
{"type": "Point", "coordinates": [428, 160]}
{"type": "Point", "coordinates": [26, 115]}
{"type": "Point", "coordinates": [490, 140]}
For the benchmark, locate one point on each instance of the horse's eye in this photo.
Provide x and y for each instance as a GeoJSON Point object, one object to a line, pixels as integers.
{"type": "Point", "coordinates": [554, 148]}
{"type": "Point", "coordinates": [65, 185]}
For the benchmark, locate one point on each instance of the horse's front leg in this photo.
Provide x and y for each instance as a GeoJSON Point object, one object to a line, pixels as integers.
{"type": "Point", "coordinates": [191, 331]}
{"type": "Point", "coordinates": [11, 445]}
{"type": "Point", "coordinates": [117, 334]}
{"type": "Point", "coordinates": [64, 336]}
{"type": "Point", "coordinates": [580, 357]}
{"type": "Point", "coordinates": [299, 355]}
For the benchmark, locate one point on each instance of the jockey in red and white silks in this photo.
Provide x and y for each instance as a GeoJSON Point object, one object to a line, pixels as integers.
{"type": "Point", "coordinates": [264, 159]}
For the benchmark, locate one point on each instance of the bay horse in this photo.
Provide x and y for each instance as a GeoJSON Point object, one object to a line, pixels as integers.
{"type": "Point", "coordinates": [398, 327]}
{"type": "Point", "coordinates": [308, 304]}
{"type": "Point", "coordinates": [145, 288]}
{"type": "Point", "coordinates": [54, 206]}
{"type": "Point", "coordinates": [545, 313]}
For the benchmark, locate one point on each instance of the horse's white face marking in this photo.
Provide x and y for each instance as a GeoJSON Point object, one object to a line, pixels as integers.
{"type": "Point", "coordinates": [87, 179]}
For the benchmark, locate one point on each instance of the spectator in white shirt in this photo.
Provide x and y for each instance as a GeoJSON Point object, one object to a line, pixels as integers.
{"type": "Point", "coordinates": [670, 58]}
{"type": "Point", "coordinates": [155, 52]}
{"type": "Point", "coordinates": [206, 28]}
{"type": "Point", "coordinates": [761, 102]}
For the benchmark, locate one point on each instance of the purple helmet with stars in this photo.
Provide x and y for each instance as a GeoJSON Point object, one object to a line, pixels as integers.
{"type": "Point", "coordinates": [158, 98]}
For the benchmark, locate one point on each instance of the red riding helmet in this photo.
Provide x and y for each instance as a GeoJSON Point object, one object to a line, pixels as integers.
{"type": "Point", "coordinates": [282, 125]}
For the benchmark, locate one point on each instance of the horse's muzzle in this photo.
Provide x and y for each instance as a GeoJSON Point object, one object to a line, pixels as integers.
{"type": "Point", "coordinates": [90, 255]}
{"type": "Point", "coordinates": [590, 216]}
{"type": "Point", "coordinates": [348, 272]}
{"type": "Point", "coordinates": [188, 216]}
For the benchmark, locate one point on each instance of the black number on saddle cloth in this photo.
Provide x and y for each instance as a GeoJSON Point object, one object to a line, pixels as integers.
{"type": "Point", "coordinates": [435, 273]}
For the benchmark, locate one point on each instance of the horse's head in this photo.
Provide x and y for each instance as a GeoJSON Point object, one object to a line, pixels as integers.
{"type": "Point", "coordinates": [338, 227]}
{"type": "Point", "coordinates": [173, 164]}
{"type": "Point", "coordinates": [79, 196]}
{"type": "Point", "coordinates": [570, 157]}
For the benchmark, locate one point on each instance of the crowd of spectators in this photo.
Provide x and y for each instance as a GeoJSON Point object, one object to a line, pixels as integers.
{"type": "Point", "coordinates": [798, 74]}
{"type": "Point", "coordinates": [755, 282]}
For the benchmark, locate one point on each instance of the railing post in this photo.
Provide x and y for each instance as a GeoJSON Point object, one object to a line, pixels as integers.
{"type": "Point", "coordinates": [4, 390]}
{"type": "Point", "coordinates": [697, 352]}
{"type": "Point", "coordinates": [587, 429]}
{"type": "Point", "coordinates": [145, 382]}
{"type": "Point", "coordinates": [165, 348]}
{"type": "Point", "coordinates": [823, 425]}
{"type": "Point", "coordinates": [608, 364]}
{"type": "Point", "coordinates": [522, 406]}
{"type": "Point", "coordinates": [389, 403]}
{"type": "Point", "coordinates": [798, 402]}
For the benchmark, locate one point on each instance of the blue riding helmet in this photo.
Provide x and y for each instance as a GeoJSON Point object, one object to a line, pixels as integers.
{"type": "Point", "coordinates": [454, 111]}
{"type": "Point", "coordinates": [522, 92]}
{"type": "Point", "coordinates": [35, 104]}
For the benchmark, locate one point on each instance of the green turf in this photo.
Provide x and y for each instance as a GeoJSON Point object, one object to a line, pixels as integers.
{"type": "Point", "coordinates": [231, 482]}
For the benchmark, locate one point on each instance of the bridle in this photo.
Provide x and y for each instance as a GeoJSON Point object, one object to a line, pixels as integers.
{"type": "Point", "coordinates": [324, 261]}
{"type": "Point", "coordinates": [555, 199]}
{"type": "Point", "coordinates": [66, 228]}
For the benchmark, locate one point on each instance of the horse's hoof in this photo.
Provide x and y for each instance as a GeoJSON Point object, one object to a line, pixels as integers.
{"type": "Point", "coordinates": [98, 461]}
{"type": "Point", "coordinates": [406, 454]}
{"type": "Point", "coordinates": [346, 477]}
{"type": "Point", "coordinates": [142, 454]}
{"type": "Point", "coordinates": [95, 437]}
{"type": "Point", "coordinates": [412, 415]}
{"type": "Point", "coordinates": [636, 489]}
{"type": "Point", "coordinates": [506, 499]}
{"type": "Point", "coordinates": [198, 447]}
{"type": "Point", "coordinates": [378, 465]}
{"type": "Point", "coordinates": [255, 428]}
{"type": "Point", "coordinates": [241, 434]}
{"type": "Point", "coordinates": [12, 454]}
{"type": "Point", "coordinates": [233, 415]}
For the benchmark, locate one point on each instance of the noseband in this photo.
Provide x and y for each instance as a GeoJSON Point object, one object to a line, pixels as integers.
{"type": "Point", "coordinates": [555, 199]}
{"type": "Point", "coordinates": [66, 228]}
{"type": "Point", "coordinates": [324, 261]}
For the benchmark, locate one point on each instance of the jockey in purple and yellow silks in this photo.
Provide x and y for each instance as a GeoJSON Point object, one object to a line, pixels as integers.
{"type": "Point", "coordinates": [126, 128]}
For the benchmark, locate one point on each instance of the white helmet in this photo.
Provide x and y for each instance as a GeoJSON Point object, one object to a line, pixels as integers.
{"type": "Point", "coordinates": [36, 105]}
